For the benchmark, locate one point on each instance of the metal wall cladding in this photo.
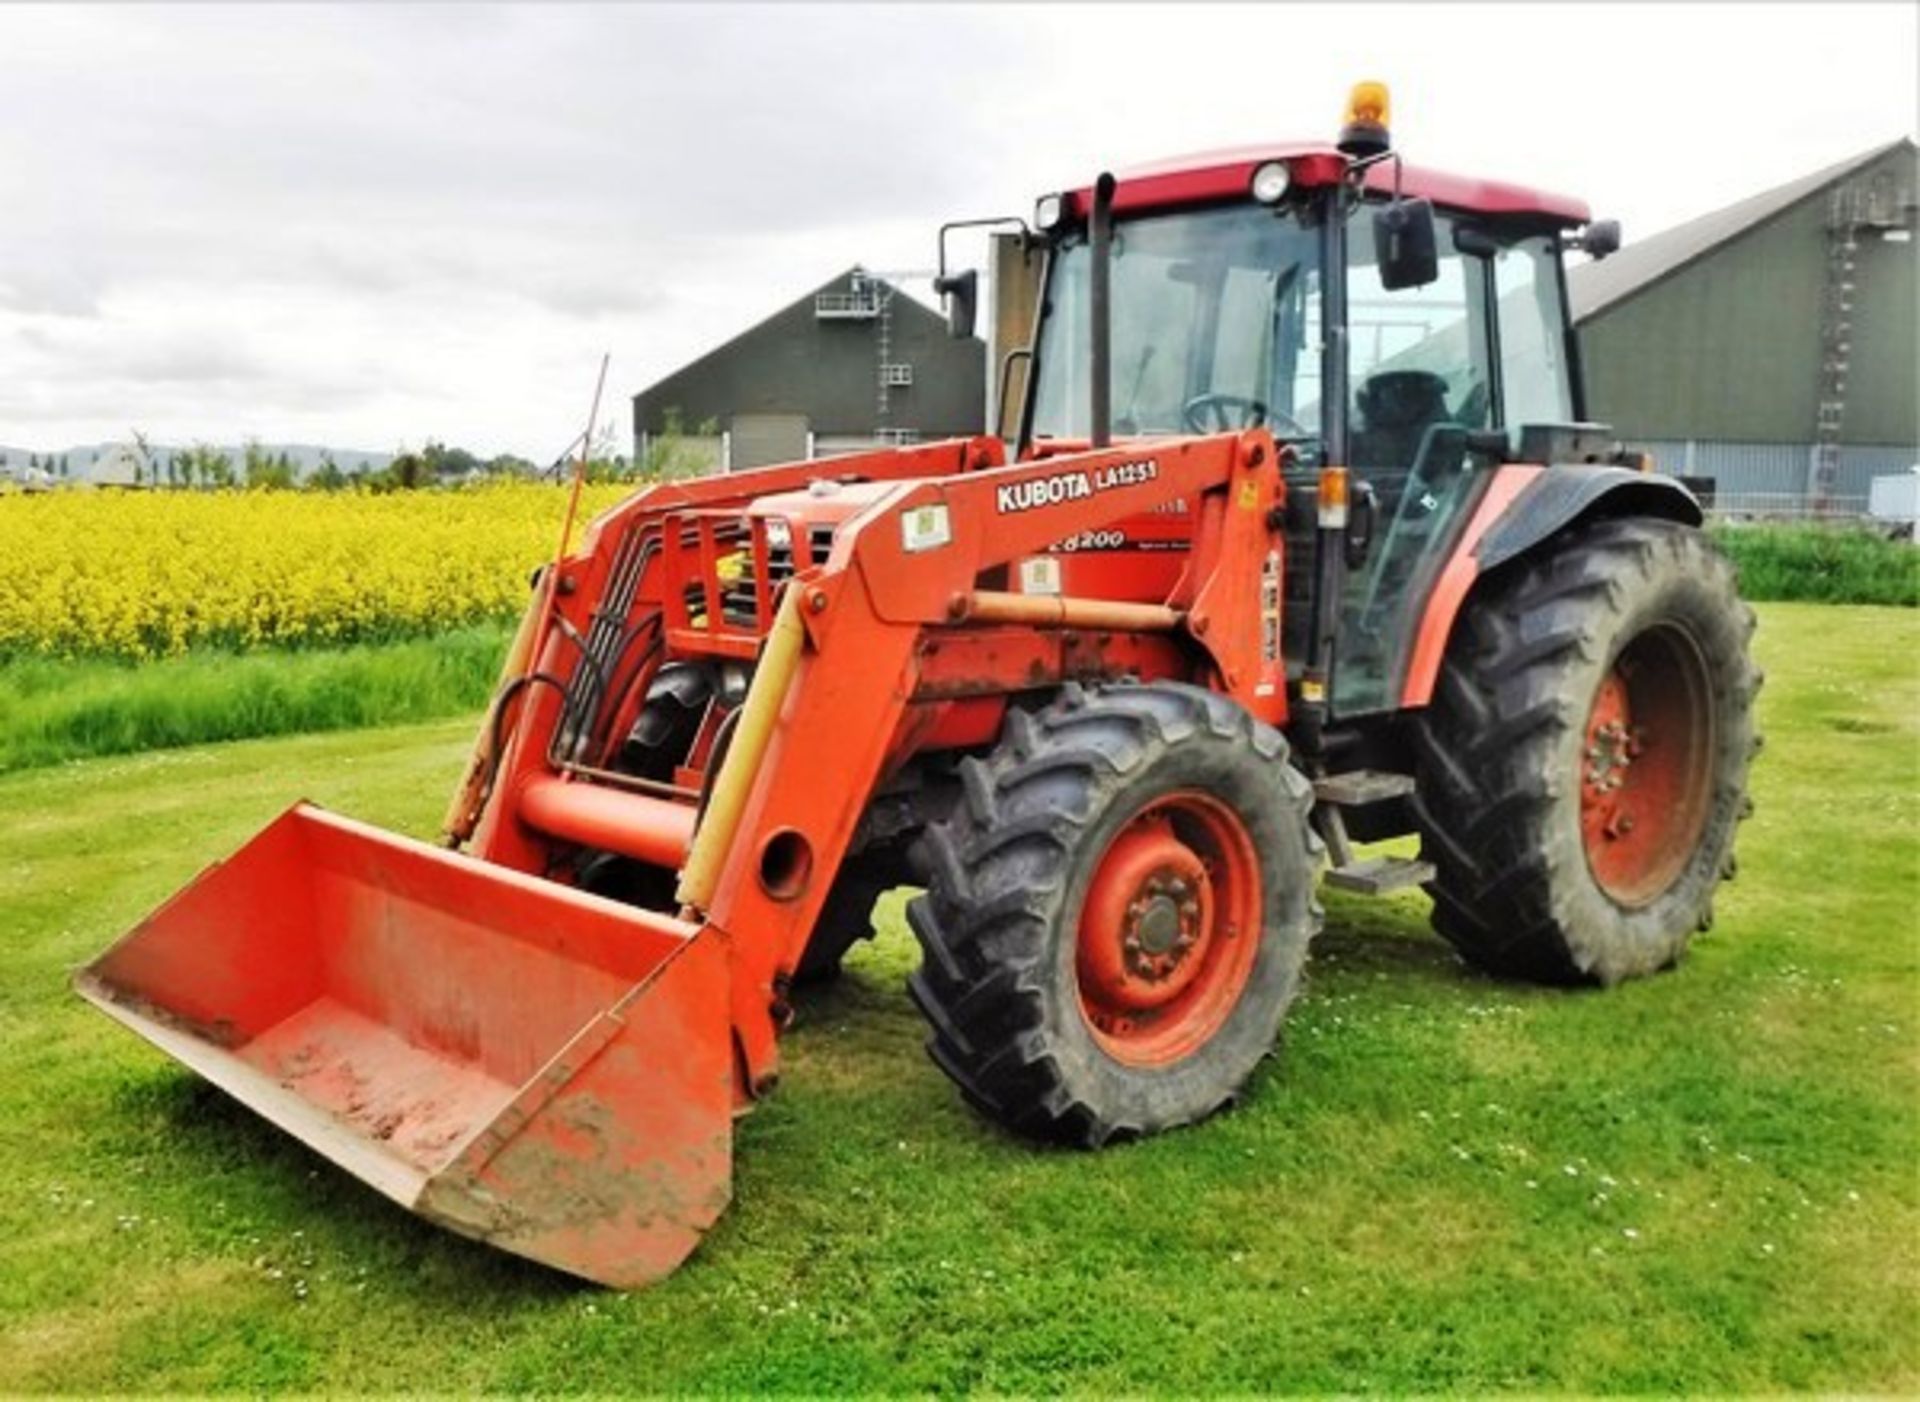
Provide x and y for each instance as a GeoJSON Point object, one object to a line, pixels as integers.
{"type": "Point", "coordinates": [1771, 478]}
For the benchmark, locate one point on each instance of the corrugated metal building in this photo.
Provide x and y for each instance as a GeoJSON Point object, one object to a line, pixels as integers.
{"type": "Point", "coordinates": [853, 363]}
{"type": "Point", "coordinates": [1769, 346]}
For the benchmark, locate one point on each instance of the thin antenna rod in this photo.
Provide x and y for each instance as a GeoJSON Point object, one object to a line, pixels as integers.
{"type": "Point", "coordinates": [550, 582]}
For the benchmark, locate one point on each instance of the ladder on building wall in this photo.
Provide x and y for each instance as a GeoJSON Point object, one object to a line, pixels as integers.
{"type": "Point", "coordinates": [876, 291]}
{"type": "Point", "coordinates": [883, 357]}
{"type": "Point", "coordinates": [1844, 211]}
{"type": "Point", "coordinates": [1870, 207]}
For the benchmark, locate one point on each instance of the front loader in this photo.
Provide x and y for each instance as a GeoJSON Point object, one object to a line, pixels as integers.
{"type": "Point", "coordinates": [1300, 541]}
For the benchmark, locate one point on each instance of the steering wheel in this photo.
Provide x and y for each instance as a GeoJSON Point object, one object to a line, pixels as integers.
{"type": "Point", "coordinates": [1223, 413]}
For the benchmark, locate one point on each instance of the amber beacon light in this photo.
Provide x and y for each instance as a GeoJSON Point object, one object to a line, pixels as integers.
{"type": "Point", "coordinates": [1363, 131]}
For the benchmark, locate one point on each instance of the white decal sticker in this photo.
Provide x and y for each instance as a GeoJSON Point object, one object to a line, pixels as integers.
{"type": "Point", "coordinates": [925, 528]}
{"type": "Point", "coordinates": [1040, 575]}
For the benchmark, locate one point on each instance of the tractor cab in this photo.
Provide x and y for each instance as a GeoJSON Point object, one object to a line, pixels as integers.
{"type": "Point", "coordinates": [1392, 326]}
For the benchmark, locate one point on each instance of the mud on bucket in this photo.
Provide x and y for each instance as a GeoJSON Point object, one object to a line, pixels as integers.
{"type": "Point", "coordinates": [518, 1061]}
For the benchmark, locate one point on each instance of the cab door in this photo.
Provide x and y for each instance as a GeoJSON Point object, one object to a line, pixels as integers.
{"type": "Point", "coordinates": [1421, 375]}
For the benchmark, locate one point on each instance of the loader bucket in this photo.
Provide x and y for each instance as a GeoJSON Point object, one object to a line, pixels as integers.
{"type": "Point", "coordinates": [513, 1059]}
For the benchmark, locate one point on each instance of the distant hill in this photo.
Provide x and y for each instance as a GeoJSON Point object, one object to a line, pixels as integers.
{"type": "Point", "coordinates": [105, 462]}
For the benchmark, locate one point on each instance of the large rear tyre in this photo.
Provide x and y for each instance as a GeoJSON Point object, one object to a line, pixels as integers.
{"type": "Point", "coordinates": [1117, 913]}
{"type": "Point", "coordinates": [1584, 762]}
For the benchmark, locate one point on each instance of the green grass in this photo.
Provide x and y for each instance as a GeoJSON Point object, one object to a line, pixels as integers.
{"type": "Point", "coordinates": [1702, 1182]}
{"type": "Point", "coordinates": [53, 711]}
{"type": "Point", "coordinates": [1824, 564]}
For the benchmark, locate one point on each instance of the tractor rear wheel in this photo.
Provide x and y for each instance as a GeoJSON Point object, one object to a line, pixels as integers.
{"type": "Point", "coordinates": [1584, 761]}
{"type": "Point", "coordinates": [1117, 913]}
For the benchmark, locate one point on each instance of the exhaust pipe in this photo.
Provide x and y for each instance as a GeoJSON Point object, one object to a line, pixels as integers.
{"type": "Point", "coordinates": [1100, 311]}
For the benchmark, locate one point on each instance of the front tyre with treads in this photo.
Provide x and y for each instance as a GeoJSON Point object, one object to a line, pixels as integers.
{"type": "Point", "coordinates": [1117, 912]}
{"type": "Point", "coordinates": [1583, 764]}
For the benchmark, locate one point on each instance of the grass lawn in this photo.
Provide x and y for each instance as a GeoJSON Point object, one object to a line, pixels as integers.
{"type": "Point", "coordinates": [1706, 1181]}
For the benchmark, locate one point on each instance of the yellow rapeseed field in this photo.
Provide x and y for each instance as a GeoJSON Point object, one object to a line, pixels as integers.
{"type": "Point", "coordinates": [147, 574]}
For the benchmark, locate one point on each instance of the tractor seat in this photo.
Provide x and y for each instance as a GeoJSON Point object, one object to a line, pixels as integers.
{"type": "Point", "coordinates": [1397, 407]}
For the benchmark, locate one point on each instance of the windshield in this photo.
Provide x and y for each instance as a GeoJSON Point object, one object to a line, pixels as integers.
{"type": "Point", "coordinates": [1216, 324]}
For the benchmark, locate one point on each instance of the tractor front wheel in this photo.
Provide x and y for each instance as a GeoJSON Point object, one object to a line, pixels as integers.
{"type": "Point", "coordinates": [1117, 913]}
{"type": "Point", "coordinates": [1584, 761]}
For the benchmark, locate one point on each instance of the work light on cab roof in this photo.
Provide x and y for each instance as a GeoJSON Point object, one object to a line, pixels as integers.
{"type": "Point", "coordinates": [1271, 181]}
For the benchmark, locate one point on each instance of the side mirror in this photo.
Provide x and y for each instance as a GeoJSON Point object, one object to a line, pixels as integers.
{"type": "Point", "coordinates": [1600, 238]}
{"type": "Point", "coordinates": [961, 293]}
{"type": "Point", "coordinates": [1403, 245]}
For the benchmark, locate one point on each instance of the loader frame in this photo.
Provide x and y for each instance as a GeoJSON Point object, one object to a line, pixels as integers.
{"type": "Point", "coordinates": [879, 652]}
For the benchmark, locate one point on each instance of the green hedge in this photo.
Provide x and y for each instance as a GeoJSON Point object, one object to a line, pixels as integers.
{"type": "Point", "coordinates": [1822, 564]}
{"type": "Point", "coordinates": [54, 711]}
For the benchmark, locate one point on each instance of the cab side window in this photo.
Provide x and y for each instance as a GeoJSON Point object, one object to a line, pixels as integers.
{"type": "Point", "coordinates": [1417, 356]}
{"type": "Point", "coordinates": [1534, 385]}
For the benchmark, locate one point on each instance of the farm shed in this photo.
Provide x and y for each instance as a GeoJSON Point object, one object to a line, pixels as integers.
{"type": "Point", "coordinates": [852, 363]}
{"type": "Point", "coordinates": [1768, 346]}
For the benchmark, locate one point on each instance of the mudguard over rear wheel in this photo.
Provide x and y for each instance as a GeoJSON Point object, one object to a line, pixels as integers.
{"type": "Point", "coordinates": [1584, 761]}
{"type": "Point", "coordinates": [1117, 913]}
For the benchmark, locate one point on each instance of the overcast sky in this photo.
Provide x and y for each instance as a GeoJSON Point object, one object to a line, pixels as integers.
{"type": "Point", "coordinates": [370, 226]}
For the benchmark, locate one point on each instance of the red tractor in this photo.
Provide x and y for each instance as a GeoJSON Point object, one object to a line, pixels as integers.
{"type": "Point", "coordinates": [1301, 540]}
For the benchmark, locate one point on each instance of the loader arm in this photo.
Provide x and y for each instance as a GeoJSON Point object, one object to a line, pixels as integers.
{"type": "Point", "coordinates": [872, 624]}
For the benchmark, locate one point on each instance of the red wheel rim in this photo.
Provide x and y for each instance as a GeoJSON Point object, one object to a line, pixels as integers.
{"type": "Point", "coordinates": [1646, 769]}
{"type": "Point", "coordinates": [1169, 930]}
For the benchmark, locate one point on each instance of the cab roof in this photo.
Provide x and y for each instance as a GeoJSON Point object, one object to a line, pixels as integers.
{"type": "Point", "coordinates": [1208, 176]}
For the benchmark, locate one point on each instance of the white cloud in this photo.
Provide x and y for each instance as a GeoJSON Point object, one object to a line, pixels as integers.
{"type": "Point", "coordinates": [364, 225]}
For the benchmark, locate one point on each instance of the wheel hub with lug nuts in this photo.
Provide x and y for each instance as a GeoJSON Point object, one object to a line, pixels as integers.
{"type": "Point", "coordinates": [1147, 924]}
{"type": "Point", "coordinates": [1646, 768]}
{"type": "Point", "coordinates": [1163, 923]}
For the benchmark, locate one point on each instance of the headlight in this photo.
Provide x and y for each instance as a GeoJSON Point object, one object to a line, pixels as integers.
{"type": "Point", "coordinates": [1048, 211]}
{"type": "Point", "coordinates": [1271, 181]}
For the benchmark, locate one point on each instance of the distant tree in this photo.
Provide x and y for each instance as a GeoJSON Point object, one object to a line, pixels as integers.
{"type": "Point", "coordinates": [407, 470]}
{"type": "Point", "coordinates": [265, 471]}
{"type": "Point", "coordinates": [327, 477]}
{"type": "Point", "coordinates": [144, 462]}
{"type": "Point", "coordinates": [509, 465]}
{"type": "Point", "coordinates": [211, 467]}
{"type": "Point", "coordinates": [438, 461]}
{"type": "Point", "coordinates": [671, 455]}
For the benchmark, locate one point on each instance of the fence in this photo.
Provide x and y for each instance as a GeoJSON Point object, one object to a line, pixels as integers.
{"type": "Point", "coordinates": [1754, 481]}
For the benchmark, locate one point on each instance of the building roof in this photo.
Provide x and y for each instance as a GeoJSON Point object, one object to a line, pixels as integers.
{"type": "Point", "coordinates": [1593, 287]}
{"type": "Point", "coordinates": [838, 283]}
